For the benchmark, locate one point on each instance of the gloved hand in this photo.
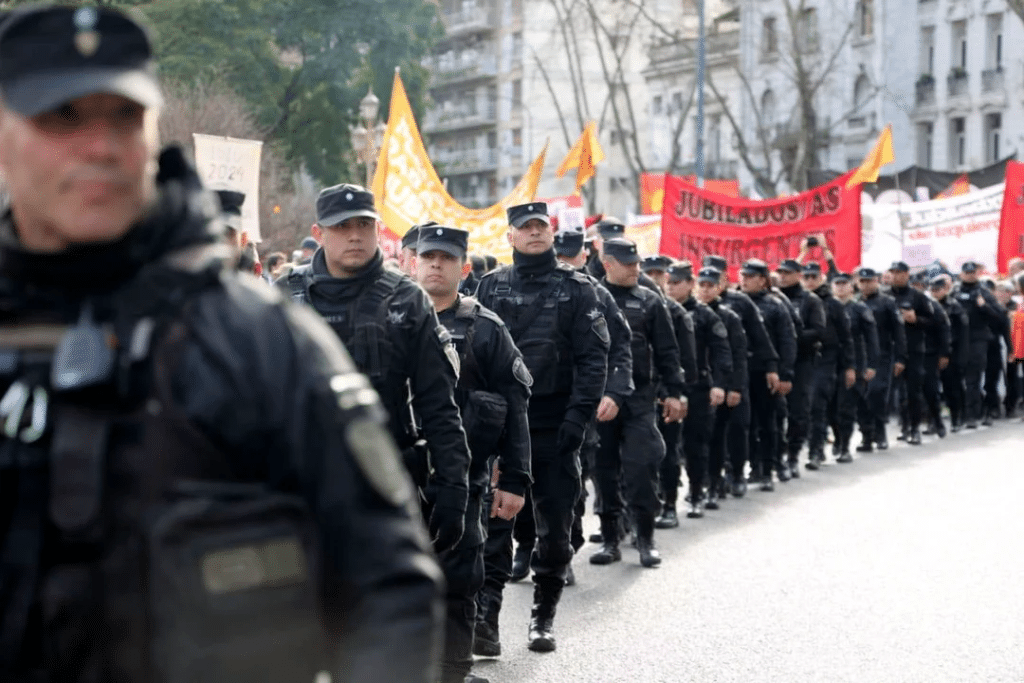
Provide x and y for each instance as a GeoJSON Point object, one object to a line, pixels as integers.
{"type": "Point", "coordinates": [446, 525]}
{"type": "Point", "coordinates": [570, 436]}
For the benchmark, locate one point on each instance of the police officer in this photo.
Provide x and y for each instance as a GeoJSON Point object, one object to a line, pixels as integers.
{"type": "Point", "coordinates": [764, 442]}
{"type": "Point", "coordinates": [705, 391]}
{"type": "Point", "coordinates": [916, 312]}
{"type": "Point", "coordinates": [983, 311]}
{"type": "Point", "coordinates": [164, 410]}
{"type": "Point", "coordinates": [631, 448]}
{"type": "Point", "coordinates": [866, 353]}
{"type": "Point", "coordinates": [555, 319]}
{"type": "Point", "coordinates": [937, 352]}
{"type": "Point", "coordinates": [812, 318]}
{"type": "Point", "coordinates": [892, 359]}
{"type": "Point", "coordinates": [709, 290]}
{"type": "Point", "coordinates": [492, 394]}
{"type": "Point", "coordinates": [609, 228]}
{"type": "Point", "coordinates": [389, 326]}
{"type": "Point", "coordinates": [836, 359]}
{"type": "Point", "coordinates": [407, 254]}
{"type": "Point", "coordinates": [952, 376]}
{"type": "Point", "coordinates": [763, 362]}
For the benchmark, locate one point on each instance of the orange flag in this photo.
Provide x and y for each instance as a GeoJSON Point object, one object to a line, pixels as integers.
{"type": "Point", "coordinates": [880, 155]}
{"type": "Point", "coordinates": [584, 156]}
{"type": "Point", "coordinates": [960, 186]}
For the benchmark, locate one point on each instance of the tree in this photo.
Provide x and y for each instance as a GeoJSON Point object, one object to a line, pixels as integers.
{"type": "Point", "coordinates": [1017, 6]}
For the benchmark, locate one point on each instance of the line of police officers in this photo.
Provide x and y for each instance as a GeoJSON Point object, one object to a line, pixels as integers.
{"type": "Point", "coordinates": [618, 370]}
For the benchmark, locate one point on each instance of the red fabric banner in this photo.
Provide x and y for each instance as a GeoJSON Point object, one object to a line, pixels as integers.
{"type": "Point", "coordinates": [1011, 222]}
{"type": "Point", "coordinates": [696, 222]}
{"type": "Point", "coordinates": [652, 190]}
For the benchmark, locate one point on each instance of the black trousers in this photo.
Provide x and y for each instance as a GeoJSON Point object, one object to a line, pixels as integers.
{"type": "Point", "coordinates": [822, 395]}
{"type": "Point", "coordinates": [846, 404]}
{"type": "Point", "coordinates": [671, 464]}
{"type": "Point", "coordinates": [729, 440]}
{"type": "Point", "coordinates": [995, 363]}
{"type": "Point", "coordinates": [798, 403]}
{"type": "Point", "coordinates": [696, 440]}
{"type": "Point", "coordinates": [910, 382]}
{"type": "Point", "coordinates": [628, 458]}
{"type": "Point", "coordinates": [873, 413]}
{"type": "Point", "coordinates": [463, 568]}
{"type": "Point", "coordinates": [931, 387]}
{"type": "Point", "coordinates": [764, 437]}
{"type": "Point", "coordinates": [976, 359]}
{"type": "Point", "coordinates": [953, 391]}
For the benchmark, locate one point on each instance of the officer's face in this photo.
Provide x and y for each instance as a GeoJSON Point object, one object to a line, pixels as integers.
{"type": "Point", "coordinates": [532, 237]}
{"type": "Point", "coordinates": [348, 247]}
{"type": "Point", "coordinates": [788, 278]}
{"type": "Point", "coordinates": [622, 274]}
{"type": "Point", "coordinates": [440, 273]}
{"type": "Point", "coordinates": [939, 291]}
{"type": "Point", "coordinates": [842, 289]}
{"type": "Point", "coordinates": [752, 284]}
{"type": "Point", "coordinates": [812, 281]}
{"type": "Point", "coordinates": [407, 261]}
{"type": "Point", "coordinates": [707, 292]}
{"type": "Point", "coordinates": [660, 278]}
{"type": "Point", "coordinates": [868, 285]}
{"type": "Point", "coordinates": [81, 174]}
{"type": "Point", "coordinates": [679, 289]}
{"type": "Point", "coordinates": [969, 278]}
{"type": "Point", "coordinates": [899, 278]}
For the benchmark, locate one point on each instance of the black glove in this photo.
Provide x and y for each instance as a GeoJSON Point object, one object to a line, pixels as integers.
{"type": "Point", "coordinates": [447, 525]}
{"type": "Point", "coordinates": [570, 436]}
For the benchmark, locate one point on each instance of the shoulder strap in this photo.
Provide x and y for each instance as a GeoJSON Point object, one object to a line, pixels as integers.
{"type": "Point", "coordinates": [528, 318]}
{"type": "Point", "coordinates": [298, 283]}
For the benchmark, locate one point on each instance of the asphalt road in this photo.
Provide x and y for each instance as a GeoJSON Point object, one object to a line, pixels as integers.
{"type": "Point", "coordinates": [906, 565]}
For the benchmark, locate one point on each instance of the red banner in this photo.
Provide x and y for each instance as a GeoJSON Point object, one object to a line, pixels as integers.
{"type": "Point", "coordinates": [697, 222]}
{"type": "Point", "coordinates": [1011, 222]}
{"type": "Point", "coordinates": [652, 190]}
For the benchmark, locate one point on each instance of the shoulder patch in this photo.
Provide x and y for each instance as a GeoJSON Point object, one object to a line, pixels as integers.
{"type": "Point", "coordinates": [718, 329]}
{"type": "Point", "coordinates": [521, 372]}
{"type": "Point", "coordinates": [600, 328]}
{"type": "Point", "coordinates": [688, 321]}
{"type": "Point", "coordinates": [378, 460]}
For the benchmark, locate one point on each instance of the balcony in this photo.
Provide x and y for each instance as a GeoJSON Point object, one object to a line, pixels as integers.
{"type": "Point", "coordinates": [467, 20]}
{"type": "Point", "coordinates": [449, 71]}
{"type": "Point", "coordinates": [925, 90]}
{"type": "Point", "coordinates": [460, 162]}
{"type": "Point", "coordinates": [957, 82]}
{"type": "Point", "coordinates": [718, 45]}
{"type": "Point", "coordinates": [992, 80]}
{"type": "Point", "coordinates": [441, 120]}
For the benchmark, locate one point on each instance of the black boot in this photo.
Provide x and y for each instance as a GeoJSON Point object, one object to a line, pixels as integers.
{"type": "Point", "coordinates": [521, 563]}
{"type": "Point", "coordinates": [486, 642]}
{"type": "Point", "coordinates": [844, 449]}
{"type": "Point", "coordinates": [713, 493]}
{"type": "Point", "coordinates": [865, 442]}
{"type": "Point", "coordinates": [609, 551]}
{"type": "Point", "coordinates": [649, 555]}
{"type": "Point", "coordinates": [915, 437]}
{"type": "Point", "coordinates": [739, 486]}
{"type": "Point", "coordinates": [542, 618]}
{"type": "Point", "coordinates": [814, 460]}
{"type": "Point", "coordinates": [696, 503]}
{"type": "Point", "coordinates": [668, 519]}
{"type": "Point", "coordinates": [793, 462]}
{"type": "Point", "coordinates": [783, 471]}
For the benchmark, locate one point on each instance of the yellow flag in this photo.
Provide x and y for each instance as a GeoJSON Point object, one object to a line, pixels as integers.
{"type": "Point", "coordinates": [584, 156]}
{"type": "Point", "coordinates": [408, 190]}
{"type": "Point", "coordinates": [880, 155]}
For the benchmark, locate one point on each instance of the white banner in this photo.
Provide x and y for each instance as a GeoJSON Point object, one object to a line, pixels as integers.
{"type": "Point", "coordinates": [881, 236]}
{"type": "Point", "coordinates": [954, 230]}
{"type": "Point", "coordinates": [233, 164]}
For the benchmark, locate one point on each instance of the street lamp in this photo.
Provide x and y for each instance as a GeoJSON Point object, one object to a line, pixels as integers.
{"type": "Point", "coordinates": [368, 134]}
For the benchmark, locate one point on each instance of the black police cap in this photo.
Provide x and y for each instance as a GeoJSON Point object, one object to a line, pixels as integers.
{"type": "Point", "coordinates": [519, 215]}
{"type": "Point", "coordinates": [812, 268]}
{"type": "Point", "coordinates": [412, 235]}
{"type": "Point", "coordinates": [789, 266]}
{"type": "Point", "coordinates": [841, 277]}
{"type": "Point", "coordinates": [50, 55]}
{"type": "Point", "coordinates": [755, 267]}
{"type": "Point", "coordinates": [680, 271]}
{"type": "Point", "coordinates": [454, 241]}
{"type": "Point", "coordinates": [610, 227]}
{"type": "Point", "coordinates": [717, 262]}
{"type": "Point", "coordinates": [899, 267]}
{"type": "Point", "coordinates": [231, 202]}
{"type": "Point", "coordinates": [622, 250]}
{"type": "Point", "coordinates": [309, 243]}
{"type": "Point", "coordinates": [337, 204]}
{"type": "Point", "coordinates": [867, 273]}
{"type": "Point", "coordinates": [658, 262]}
{"type": "Point", "coordinates": [709, 274]}
{"type": "Point", "coordinates": [937, 282]}
{"type": "Point", "coordinates": [568, 243]}
{"type": "Point", "coordinates": [970, 267]}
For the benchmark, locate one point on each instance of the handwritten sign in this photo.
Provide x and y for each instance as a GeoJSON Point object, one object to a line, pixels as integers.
{"type": "Point", "coordinates": [233, 164]}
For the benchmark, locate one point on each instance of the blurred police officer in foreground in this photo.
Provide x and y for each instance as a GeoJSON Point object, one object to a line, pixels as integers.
{"type": "Point", "coordinates": [492, 394]}
{"type": "Point", "coordinates": [892, 359]}
{"type": "Point", "coordinates": [194, 481]}
{"type": "Point", "coordinates": [389, 326]}
{"type": "Point", "coordinates": [631, 447]}
{"type": "Point", "coordinates": [554, 316]}
{"type": "Point", "coordinates": [705, 389]}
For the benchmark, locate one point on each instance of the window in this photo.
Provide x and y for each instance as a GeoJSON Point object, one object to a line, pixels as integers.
{"type": "Point", "coordinates": [714, 136]}
{"type": "Point", "coordinates": [861, 92]}
{"type": "Point", "coordinates": [517, 137]}
{"type": "Point", "coordinates": [957, 142]}
{"type": "Point", "coordinates": [677, 103]}
{"type": "Point", "coordinates": [924, 144]}
{"type": "Point", "coordinates": [517, 93]}
{"type": "Point", "coordinates": [994, 49]}
{"type": "Point", "coordinates": [517, 47]}
{"type": "Point", "coordinates": [807, 30]}
{"type": "Point", "coordinates": [959, 51]}
{"type": "Point", "coordinates": [927, 58]}
{"type": "Point", "coordinates": [769, 38]}
{"type": "Point", "coordinates": [767, 110]}
{"type": "Point", "coordinates": [993, 136]}
{"type": "Point", "coordinates": [865, 17]}
{"type": "Point", "coordinates": [656, 105]}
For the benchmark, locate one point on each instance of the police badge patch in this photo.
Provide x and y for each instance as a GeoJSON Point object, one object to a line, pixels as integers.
{"type": "Point", "coordinates": [600, 328]}
{"type": "Point", "coordinates": [522, 373]}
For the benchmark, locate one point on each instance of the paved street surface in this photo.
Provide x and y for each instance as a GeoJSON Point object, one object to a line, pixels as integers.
{"type": "Point", "coordinates": [907, 565]}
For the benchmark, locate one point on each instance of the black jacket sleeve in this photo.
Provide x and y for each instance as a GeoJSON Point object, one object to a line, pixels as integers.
{"type": "Point", "coordinates": [739, 379]}
{"type": "Point", "coordinates": [619, 384]}
{"type": "Point", "coordinates": [271, 385]}
{"type": "Point", "coordinates": [844, 336]}
{"type": "Point", "coordinates": [590, 340]}
{"type": "Point", "coordinates": [785, 338]}
{"type": "Point", "coordinates": [899, 331]}
{"type": "Point", "coordinates": [686, 341]}
{"type": "Point", "coordinates": [759, 344]}
{"type": "Point", "coordinates": [662, 336]}
{"type": "Point", "coordinates": [942, 328]}
{"type": "Point", "coordinates": [506, 374]}
{"type": "Point", "coordinates": [812, 312]}
{"type": "Point", "coordinates": [872, 348]}
{"type": "Point", "coordinates": [959, 325]}
{"type": "Point", "coordinates": [720, 355]}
